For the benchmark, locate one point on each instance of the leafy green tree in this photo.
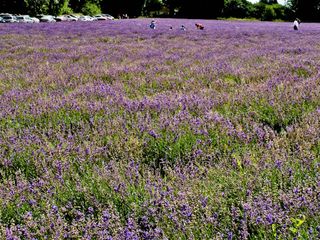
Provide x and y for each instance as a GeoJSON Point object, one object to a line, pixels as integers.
{"type": "Point", "coordinates": [53, 7]}
{"type": "Point", "coordinates": [238, 8]}
{"type": "Point", "coordinates": [269, 12]}
{"type": "Point", "coordinates": [57, 7]}
{"type": "Point", "coordinates": [280, 11]}
{"type": "Point", "coordinates": [91, 9]}
{"type": "Point", "coordinates": [35, 7]}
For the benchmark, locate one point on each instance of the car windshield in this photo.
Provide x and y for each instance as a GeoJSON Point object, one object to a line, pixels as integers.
{"type": "Point", "coordinates": [7, 17]}
{"type": "Point", "coordinates": [20, 17]}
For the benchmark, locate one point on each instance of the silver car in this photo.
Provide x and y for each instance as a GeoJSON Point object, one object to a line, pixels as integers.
{"type": "Point", "coordinates": [61, 18]}
{"type": "Point", "coordinates": [35, 20]}
{"type": "Point", "coordinates": [47, 18]}
{"type": "Point", "coordinates": [8, 19]}
{"type": "Point", "coordinates": [71, 18]}
{"type": "Point", "coordinates": [108, 16]}
{"type": "Point", "coordinates": [86, 19]}
{"type": "Point", "coordinates": [24, 19]}
{"type": "Point", "coordinates": [100, 18]}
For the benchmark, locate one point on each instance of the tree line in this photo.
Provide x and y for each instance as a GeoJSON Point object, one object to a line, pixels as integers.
{"type": "Point", "coordinates": [306, 10]}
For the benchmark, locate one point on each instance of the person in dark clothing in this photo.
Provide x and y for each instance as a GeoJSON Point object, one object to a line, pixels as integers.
{"type": "Point", "coordinates": [153, 24]}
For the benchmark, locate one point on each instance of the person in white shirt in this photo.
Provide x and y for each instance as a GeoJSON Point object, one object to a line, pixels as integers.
{"type": "Point", "coordinates": [296, 24]}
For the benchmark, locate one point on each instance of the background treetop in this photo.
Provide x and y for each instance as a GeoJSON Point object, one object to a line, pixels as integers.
{"type": "Point", "coordinates": [307, 10]}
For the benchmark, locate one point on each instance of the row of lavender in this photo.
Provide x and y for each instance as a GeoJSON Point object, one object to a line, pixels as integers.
{"type": "Point", "coordinates": [117, 131]}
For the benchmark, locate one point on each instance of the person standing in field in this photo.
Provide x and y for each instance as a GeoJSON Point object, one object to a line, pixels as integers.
{"type": "Point", "coordinates": [296, 24]}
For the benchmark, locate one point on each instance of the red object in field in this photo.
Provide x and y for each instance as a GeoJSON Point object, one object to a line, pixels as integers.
{"type": "Point", "coordinates": [199, 26]}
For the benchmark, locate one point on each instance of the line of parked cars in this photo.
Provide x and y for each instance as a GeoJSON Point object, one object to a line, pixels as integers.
{"type": "Point", "coordinates": [11, 18]}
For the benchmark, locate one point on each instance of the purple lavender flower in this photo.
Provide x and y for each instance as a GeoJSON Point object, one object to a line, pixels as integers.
{"type": "Point", "coordinates": [55, 209]}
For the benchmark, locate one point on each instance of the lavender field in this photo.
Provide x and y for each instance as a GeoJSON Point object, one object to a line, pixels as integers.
{"type": "Point", "coordinates": [116, 131]}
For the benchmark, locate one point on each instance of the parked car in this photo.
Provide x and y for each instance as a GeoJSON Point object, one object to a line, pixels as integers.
{"type": "Point", "coordinates": [47, 18]}
{"type": "Point", "coordinates": [9, 19]}
{"type": "Point", "coordinates": [71, 18]}
{"type": "Point", "coordinates": [24, 19]}
{"type": "Point", "coordinates": [35, 20]}
{"type": "Point", "coordinates": [100, 18]}
{"type": "Point", "coordinates": [61, 18]}
{"type": "Point", "coordinates": [86, 19]}
{"type": "Point", "coordinates": [5, 14]}
{"type": "Point", "coordinates": [108, 16]}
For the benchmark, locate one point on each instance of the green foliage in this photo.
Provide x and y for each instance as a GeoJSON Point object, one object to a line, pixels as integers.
{"type": "Point", "coordinates": [297, 222]}
{"type": "Point", "coordinates": [11, 214]}
{"type": "Point", "coordinates": [47, 7]}
{"type": "Point", "coordinates": [168, 148]}
{"type": "Point", "coordinates": [238, 8]}
{"type": "Point", "coordinates": [63, 117]}
{"type": "Point", "coordinates": [36, 7]}
{"type": "Point", "coordinates": [279, 119]}
{"type": "Point", "coordinates": [264, 9]}
{"type": "Point", "coordinates": [18, 162]}
{"type": "Point", "coordinates": [65, 9]}
{"type": "Point", "coordinates": [55, 7]}
{"type": "Point", "coordinates": [87, 189]}
{"type": "Point", "coordinates": [90, 9]}
{"type": "Point", "coordinates": [269, 12]}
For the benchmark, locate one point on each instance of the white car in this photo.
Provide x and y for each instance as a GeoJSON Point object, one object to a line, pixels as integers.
{"type": "Point", "coordinates": [9, 19]}
{"type": "Point", "coordinates": [61, 18]}
{"type": "Point", "coordinates": [108, 16]}
{"type": "Point", "coordinates": [24, 19]}
{"type": "Point", "coordinates": [100, 18]}
{"type": "Point", "coordinates": [47, 18]}
{"type": "Point", "coordinates": [86, 19]}
{"type": "Point", "coordinates": [35, 20]}
{"type": "Point", "coordinates": [71, 18]}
